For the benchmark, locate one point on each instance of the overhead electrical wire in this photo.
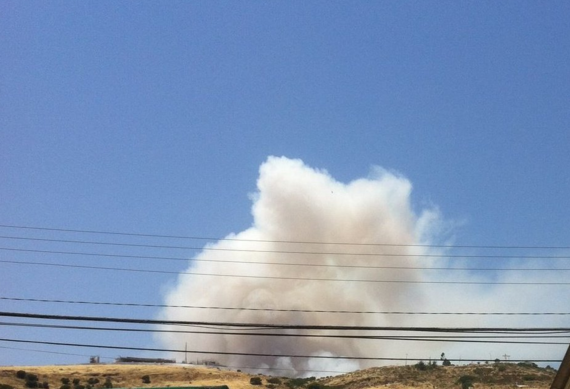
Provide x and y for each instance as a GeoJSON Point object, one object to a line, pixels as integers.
{"type": "Point", "coordinates": [537, 330]}
{"type": "Point", "coordinates": [146, 235]}
{"type": "Point", "coordinates": [296, 264]}
{"type": "Point", "coordinates": [231, 367]}
{"type": "Point", "coordinates": [508, 334]}
{"type": "Point", "coordinates": [549, 283]}
{"type": "Point", "coordinates": [50, 352]}
{"type": "Point", "coordinates": [254, 354]}
{"type": "Point", "coordinates": [473, 339]}
{"type": "Point", "coordinates": [283, 369]}
{"type": "Point", "coordinates": [222, 249]}
{"type": "Point", "coordinates": [281, 310]}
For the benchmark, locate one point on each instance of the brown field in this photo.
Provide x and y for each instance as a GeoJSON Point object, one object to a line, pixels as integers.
{"type": "Point", "coordinates": [129, 375]}
{"type": "Point", "coordinates": [396, 377]}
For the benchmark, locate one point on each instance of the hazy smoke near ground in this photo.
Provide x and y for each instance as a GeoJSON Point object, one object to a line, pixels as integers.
{"type": "Point", "coordinates": [296, 203]}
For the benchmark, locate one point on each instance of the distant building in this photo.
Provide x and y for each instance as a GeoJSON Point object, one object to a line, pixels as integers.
{"type": "Point", "coordinates": [208, 362]}
{"type": "Point", "coordinates": [143, 360]}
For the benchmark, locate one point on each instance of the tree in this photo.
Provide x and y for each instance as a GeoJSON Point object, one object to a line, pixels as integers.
{"type": "Point", "coordinates": [466, 381]}
{"type": "Point", "coordinates": [421, 366]}
{"type": "Point", "coordinates": [255, 381]}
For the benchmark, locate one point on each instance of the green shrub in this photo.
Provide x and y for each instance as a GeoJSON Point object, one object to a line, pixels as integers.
{"type": "Point", "coordinates": [421, 366]}
{"type": "Point", "coordinates": [528, 364]}
{"type": "Point", "coordinates": [146, 379]}
{"type": "Point", "coordinates": [65, 381]}
{"type": "Point", "coordinates": [31, 377]}
{"type": "Point", "coordinates": [314, 385]}
{"type": "Point", "coordinates": [108, 384]}
{"type": "Point", "coordinates": [446, 362]}
{"type": "Point", "coordinates": [466, 381]}
{"type": "Point", "coordinates": [255, 381]}
{"type": "Point", "coordinates": [31, 384]}
{"type": "Point", "coordinates": [76, 381]}
{"type": "Point", "coordinates": [65, 386]}
{"type": "Point", "coordinates": [297, 382]}
{"type": "Point", "coordinates": [21, 374]}
{"type": "Point", "coordinates": [274, 380]}
{"type": "Point", "coordinates": [93, 381]}
{"type": "Point", "coordinates": [5, 386]}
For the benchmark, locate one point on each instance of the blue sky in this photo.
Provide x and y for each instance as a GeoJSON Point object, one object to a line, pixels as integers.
{"type": "Point", "coordinates": [155, 118]}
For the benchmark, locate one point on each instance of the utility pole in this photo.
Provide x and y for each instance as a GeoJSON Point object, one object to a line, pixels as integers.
{"type": "Point", "coordinates": [186, 354]}
{"type": "Point", "coordinates": [562, 379]}
{"type": "Point", "coordinates": [506, 357]}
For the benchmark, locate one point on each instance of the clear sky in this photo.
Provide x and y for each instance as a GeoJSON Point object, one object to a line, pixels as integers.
{"type": "Point", "coordinates": [152, 117]}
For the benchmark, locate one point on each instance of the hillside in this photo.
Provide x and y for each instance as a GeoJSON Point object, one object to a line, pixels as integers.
{"type": "Point", "coordinates": [496, 376]}
{"type": "Point", "coordinates": [503, 375]}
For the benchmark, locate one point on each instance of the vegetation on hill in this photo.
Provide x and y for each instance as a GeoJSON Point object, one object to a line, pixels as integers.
{"type": "Point", "coordinates": [421, 375]}
{"type": "Point", "coordinates": [498, 375]}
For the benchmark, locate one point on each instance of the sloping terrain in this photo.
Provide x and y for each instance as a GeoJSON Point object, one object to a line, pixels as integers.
{"type": "Point", "coordinates": [502, 375]}
{"type": "Point", "coordinates": [497, 376]}
{"type": "Point", "coordinates": [126, 376]}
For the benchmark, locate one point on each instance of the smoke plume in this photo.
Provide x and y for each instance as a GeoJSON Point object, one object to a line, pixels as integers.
{"type": "Point", "coordinates": [296, 211]}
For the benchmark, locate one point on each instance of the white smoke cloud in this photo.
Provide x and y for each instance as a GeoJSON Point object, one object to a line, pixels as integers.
{"type": "Point", "coordinates": [296, 203]}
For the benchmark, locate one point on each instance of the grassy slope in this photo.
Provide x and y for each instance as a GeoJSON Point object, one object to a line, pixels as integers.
{"type": "Point", "coordinates": [483, 376]}
{"type": "Point", "coordinates": [396, 377]}
{"type": "Point", "coordinates": [128, 375]}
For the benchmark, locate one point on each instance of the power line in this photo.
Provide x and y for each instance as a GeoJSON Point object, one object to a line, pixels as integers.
{"type": "Point", "coordinates": [285, 278]}
{"type": "Point", "coordinates": [282, 369]}
{"type": "Point", "coordinates": [280, 335]}
{"type": "Point", "coordinates": [278, 241]}
{"type": "Point", "coordinates": [538, 330]}
{"type": "Point", "coordinates": [283, 310]}
{"type": "Point", "coordinates": [296, 264]}
{"type": "Point", "coordinates": [231, 367]}
{"type": "Point", "coordinates": [283, 251]}
{"type": "Point", "coordinates": [254, 354]}
{"type": "Point", "coordinates": [49, 352]}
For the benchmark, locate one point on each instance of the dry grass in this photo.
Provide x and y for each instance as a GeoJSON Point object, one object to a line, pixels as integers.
{"type": "Point", "coordinates": [484, 376]}
{"type": "Point", "coordinates": [395, 377]}
{"type": "Point", "coordinates": [128, 376]}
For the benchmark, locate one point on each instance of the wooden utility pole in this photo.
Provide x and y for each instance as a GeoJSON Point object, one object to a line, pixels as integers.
{"type": "Point", "coordinates": [562, 379]}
